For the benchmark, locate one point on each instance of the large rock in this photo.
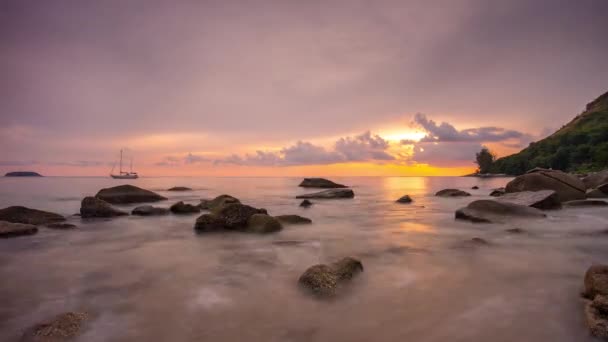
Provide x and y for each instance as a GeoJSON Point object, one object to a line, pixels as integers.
{"type": "Point", "coordinates": [179, 188]}
{"type": "Point", "coordinates": [236, 215]}
{"type": "Point", "coordinates": [566, 186]}
{"type": "Point", "coordinates": [209, 223]}
{"type": "Point", "coordinates": [405, 199]}
{"type": "Point", "coordinates": [452, 193]}
{"type": "Point", "coordinates": [325, 280]}
{"type": "Point", "coordinates": [262, 223]}
{"type": "Point", "coordinates": [148, 210]}
{"type": "Point", "coordinates": [320, 183]}
{"type": "Point", "coordinates": [124, 194]}
{"type": "Point", "coordinates": [184, 208]}
{"type": "Point", "coordinates": [19, 214]}
{"type": "Point", "coordinates": [586, 203]}
{"type": "Point", "coordinates": [543, 199]}
{"type": "Point", "coordinates": [217, 202]}
{"type": "Point", "coordinates": [485, 211]}
{"type": "Point", "coordinates": [329, 194]}
{"type": "Point", "coordinates": [594, 180]}
{"type": "Point", "coordinates": [596, 281]}
{"type": "Point", "coordinates": [63, 327]}
{"type": "Point", "coordinates": [293, 219]}
{"type": "Point", "coordinates": [596, 193]}
{"type": "Point", "coordinates": [94, 207]}
{"type": "Point", "coordinates": [10, 229]}
{"type": "Point", "coordinates": [305, 203]}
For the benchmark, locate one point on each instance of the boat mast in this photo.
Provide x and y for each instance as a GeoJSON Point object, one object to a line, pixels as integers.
{"type": "Point", "coordinates": [131, 167]}
{"type": "Point", "coordinates": [121, 161]}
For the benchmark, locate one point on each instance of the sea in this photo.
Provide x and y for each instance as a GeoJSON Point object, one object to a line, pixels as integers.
{"type": "Point", "coordinates": [424, 280]}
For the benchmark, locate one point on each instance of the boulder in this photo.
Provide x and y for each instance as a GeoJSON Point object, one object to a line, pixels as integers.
{"type": "Point", "coordinates": [124, 194]}
{"type": "Point", "coordinates": [474, 187]}
{"type": "Point", "coordinates": [184, 208]}
{"type": "Point", "coordinates": [596, 281]}
{"type": "Point", "coordinates": [179, 188]}
{"type": "Point", "coordinates": [329, 194]}
{"type": "Point", "coordinates": [219, 201]}
{"type": "Point", "coordinates": [293, 219]}
{"type": "Point", "coordinates": [320, 183]}
{"type": "Point", "coordinates": [262, 223]}
{"type": "Point", "coordinates": [485, 211]}
{"type": "Point", "coordinates": [497, 192]}
{"type": "Point", "coordinates": [594, 180]}
{"type": "Point", "coordinates": [19, 214]}
{"type": "Point", "coordinates": [305, 203]}
{"type": "Point", "coordinates": [325, 280]}
{"type": "Point", "coordinates": [95, 207]}
{"type": "Point", "coordinates": [11, 229]}
{"type": "Point", "coordinates": [586, 203]}
{"type": "Point", "coordinates": [452, 193]}
{"type": "Point", "coordinates": [63, 327]}
{"type": "Point", "coordinates": [596, 193]}
{"type": "Point", "coordinates": [543, 199]}
{"type": "Point", "coordinates": [209, 223]}
{"type": "Point", "coordinates": [61, 226]}
{"type": "Point", "coordinates": [566, 186]}
{"type": "Point", "coordinates": [148, 210]}
{"type": "Point", "coordinates": [236, 215]}
{"type": "Point", "coordinates": [405, 199]}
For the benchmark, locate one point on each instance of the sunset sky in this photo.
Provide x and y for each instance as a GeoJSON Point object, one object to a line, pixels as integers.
{"type": "Point", "coordinates": [290, 88]}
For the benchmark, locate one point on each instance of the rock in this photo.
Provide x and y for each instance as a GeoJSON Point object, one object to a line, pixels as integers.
{"type": "Point", "coordinates": [596, 193]}
{"type": "Point", "coordinates": [236, 215]}
{"type": "Point", "coordinates": [124, 194]}
{"type": "Point", "coordinates": [184, 208]}
{"type": "Point", "coordinates": [305, 203]}
{"type": "Point", "coordinates": [566, 186]}
{"type": "Point", "coordinates": [330, 194]}
{"type": "Point", "coordinates": [594, 180]}
{"type": "Point", "coordinates": [209, 223]}
{"type": "Point", "coordinates": [179, 188]}
{"type": "Point", "coordinates": [475, 187]}
{"type": "Point", "coordinates": [325, 280]}
{"type": "Point", "coordinates": [22, 174]}
{"type": "Point", "coordinates": [452, 193]}
{"type": "Point", "coordinates": [293, 219]}
{"type": "Point", "coordinates": [497, 192]}
{"type": "Point", "coordinates": [219, 201]}
{"type": "Point", "coordinates": [61, 226]}
{"type": "Point", "coordinates": [63, 327]}
{"type": "Point", "coordinates": [600, 303]}
{"type": "Point", "coordinates": [11, 229]}
{"type": "Point", "coordinates": [262, 223]}
{"type": "Point", "coordinates": [405, 199]}
{"type": "Point", "coordinates": [148, 210]}
{"type": "Point", "coordinates": [473, 243]}
{"type": "Point", "coordinates": [515, 231]}
{"type": "Point", "coordinates": [485, 211]}
{"type": "Point", "coordinates": [320, 183]}
{"type": "Point", "coordinates": [543, 199]}
{"type": "Point", "coordinates": [95, 207]}
{"type": "Point", "coordinates": [596, 321]}
{"type": "Point", "coordinates": [596, 281]}
{"type": "Point", "coordinates": [586, 203]}
{"type": "Point", "coordinates": [19, 214]}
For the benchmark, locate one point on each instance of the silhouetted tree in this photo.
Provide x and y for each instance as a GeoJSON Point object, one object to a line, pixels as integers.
{"type": "Point", "coordinates": [484, 159]}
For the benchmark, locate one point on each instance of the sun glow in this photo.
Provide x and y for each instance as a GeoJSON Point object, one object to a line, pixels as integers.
{"type": "Point", "coordinates": [398, 136]}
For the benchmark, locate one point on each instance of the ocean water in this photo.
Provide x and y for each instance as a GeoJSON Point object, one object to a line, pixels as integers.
{"type": "Point", "coordinates": [154, 279]}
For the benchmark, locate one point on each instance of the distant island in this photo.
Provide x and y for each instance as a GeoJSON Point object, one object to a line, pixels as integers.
{"type": "Point", "coordinates": [23, 174]}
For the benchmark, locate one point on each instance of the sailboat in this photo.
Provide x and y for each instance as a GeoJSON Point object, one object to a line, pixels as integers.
{"type": "Point", "coordinates": [123, 174]}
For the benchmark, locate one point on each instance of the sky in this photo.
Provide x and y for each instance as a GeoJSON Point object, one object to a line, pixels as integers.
{"type": "Point", "coordinates": [290, 88]}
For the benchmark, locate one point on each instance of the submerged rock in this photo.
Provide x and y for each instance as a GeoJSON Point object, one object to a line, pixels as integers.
{"type": "Point", "coordinates": [596, 281]}
{"type": "Point", "coordinates": [184, 208]}
{"type": "Point", "coordinates": [543, 199]}
{"type": "Point", "coordinates": [330, 194]}
{"type": "Point", "coordinates": [61, 226]}
{"type": "Point", "coordinates": [125, 194]}
{"type": "Point", "coordinates": [148, 210]}
{"type": "Point", "coordinates": [293, 219]}
{"type": "Point", "coordinates": [22, 174]}
{"type": "Point", "coordinates": [179, 188]}
{"type": "Point", "coordinates": [305, 203]}
{"type": "Point", "coordinates": [566, 186]}
{"type": "Point", "coordinates": [95, 207]}
{"type": "Point", "coordinates": [217, 202]}
{"type": "Point", "coordinates": [452, 193]}
{"type": "Point", "coordinates": [497, 192]}
{"type": "Point", "coordinates": [262, 223]}
{"type": "Point", "coordinates": [63, 327]}
{"type": "Point", "coordinates": [485, 211]}
{"type": "Point", "coordinates": [325, 280]}
{"type": "Point", "coordinates": [515, 231]}
{"type": "Point", "coordinates": [474, 187]}
{"type": "Point", "coordinates": [405, 199]}
{"type": "Point", "coordinates": [320, 183]}
{"type": "Point", "coordinates": [586, 203]}
{"type": "Point", "coordinates": [19, 214]}
{"type": "Point", "coordinates": [11, 229]}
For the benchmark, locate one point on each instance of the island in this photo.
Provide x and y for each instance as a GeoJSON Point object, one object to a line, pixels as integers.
{"type": "Point", "coordinates": [23, 174]}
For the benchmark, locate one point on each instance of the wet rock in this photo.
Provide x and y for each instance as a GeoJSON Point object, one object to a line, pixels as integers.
{"type": "Point", "coordinates": [330, 194]}
{"type": "Point", "coordinates": [596, 281]}
{"type": "Point", "coordinates": [305, 203]}
{"type": "Point", "coordinates": [600, 303]}
{"type": "Point", "coordinates": [209, 223]}
{"type": "Point", "coordinates": [63, 327]}
{"type": "Point", "coordinates": [320, 183]}
{"type": "Point", "coordinates": [11, 229]}
{"type": "Point", "coordinates": [61, 226]}
{"type": "Point", "coordinates": [515, 231]}
{"type": "Point", "coordinates": [566, 186]}
{"type": "Point", "coordinates": [95, 207]}
{"type": "Point", "coordinates": [262, 223]}
{"type": "Point", "coordinates": [217, 202]}
{"type": "Point", "coordinates": [497, 192]}
{"type": "Point", "coordinates": [586, 203]}
{"type": "Point", "coordinates": [184, 208]}
{"type": "Point", "coordinates": [148, 210]}
{"type": "Point", "coordinates": [124, 194]}
{"type": "Point", "coordinates": [485, 211]}
{"type": "Point", "coordinates": [543, 199]}
{"type": "Point", "coordinates": [236, 215]}
{"type": "Point", "coordinates": [405, 199]}
{"type": "Point", "coordinates": [293, 219]}
{"type": "Point", "coordinates": [326, 280]}
{"type": "Point", "coordinates": [596, 179]}
{"type": "Point", "coordinates": [19, 214]}
{"type": "Point", "coordinates": [452, 193]}
{"type": "Point", "coordinates": [596, 319]}
{"type": "Point", "coordinates": [474, 187]}
{"type": "Point", "coordinates": [596, 193]}
{"type": "Point", "coordinates": [179, 188]}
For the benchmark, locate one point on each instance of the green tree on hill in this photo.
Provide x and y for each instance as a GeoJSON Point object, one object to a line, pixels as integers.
{"type": "Point", "coordinates": [484, 160]}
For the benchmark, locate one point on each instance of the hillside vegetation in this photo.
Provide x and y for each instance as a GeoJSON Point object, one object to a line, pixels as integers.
{"type": "Point", "coordinates": [579, 146]}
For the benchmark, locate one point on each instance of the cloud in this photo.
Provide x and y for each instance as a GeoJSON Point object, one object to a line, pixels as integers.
{"type": "Point", "coordinates": [303, 153]}
{"type": "Point", "coordinates": [18, 162]}
{"type": "Point", "coordinates": [438, 154]}
{"type": "Point", "coordinates": [363, 147]}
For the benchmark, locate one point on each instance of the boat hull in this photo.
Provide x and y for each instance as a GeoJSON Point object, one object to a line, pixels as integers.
{"type": "Point", "coordinates": [124, 176]}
